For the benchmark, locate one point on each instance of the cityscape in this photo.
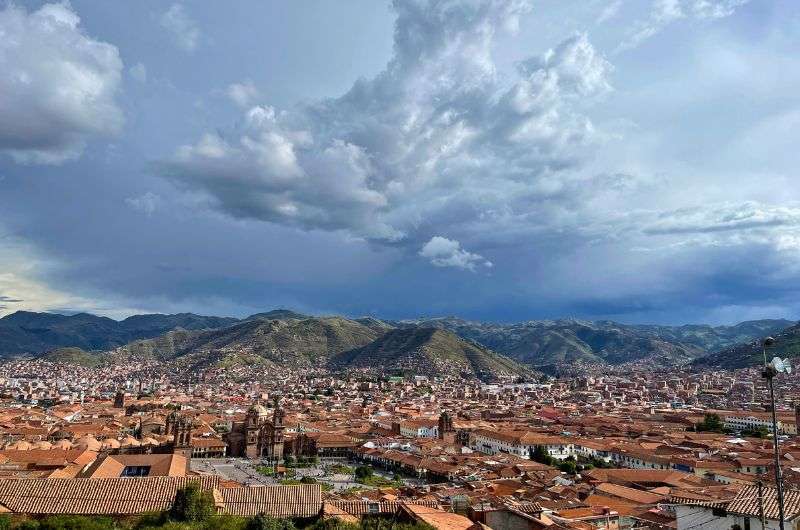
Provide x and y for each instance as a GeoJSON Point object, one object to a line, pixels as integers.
{"type": "Point", "coordinates": [399, 265]}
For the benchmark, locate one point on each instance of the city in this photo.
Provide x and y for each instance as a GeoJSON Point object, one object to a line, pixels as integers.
{"type": "Point", "coordinates": [649, 449]}
{"type": "Point", "coordinates": [399, 265]}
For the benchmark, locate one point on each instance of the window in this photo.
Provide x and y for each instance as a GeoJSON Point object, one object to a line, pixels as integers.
{"type": "Point", "coordinates": [746, 523]}
{"type": "Point", "coordinates": [135, 471]}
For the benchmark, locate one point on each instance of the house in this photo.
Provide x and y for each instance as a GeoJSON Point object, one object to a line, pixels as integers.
{"type": "Point", "coordinates": [519, 443]}
{"type": "Point", "coordinates": [743, 511]}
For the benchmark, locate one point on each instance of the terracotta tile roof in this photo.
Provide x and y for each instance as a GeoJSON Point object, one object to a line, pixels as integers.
{"type": "Point", "coordinates": [629, 494]}
{"type": "Point", "coordinates": [111, 496]}
{"type": "Point", "coordinates": [304, 500]}
{"type": "Point", "coordinates": [329, 511]}
{"type": "Point", "coordinates": [746, 502]}
{"type": "Point", "coordinates": [50, 457]}
{"type": "Point", "coordinates": [166, 465]}
{"type": "Point", "coordinates": [439, 519]}
{"type": "Point", "coordinates": [359, 508]}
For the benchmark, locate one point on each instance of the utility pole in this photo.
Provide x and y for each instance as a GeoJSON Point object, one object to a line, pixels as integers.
{"type": "Point", "coordinates": [761, 504]}
{"type": "Point", "coordinates": [769, 374]}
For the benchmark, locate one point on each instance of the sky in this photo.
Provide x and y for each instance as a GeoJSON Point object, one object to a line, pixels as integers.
{"type": "Point", "coordinates": [502, 160]}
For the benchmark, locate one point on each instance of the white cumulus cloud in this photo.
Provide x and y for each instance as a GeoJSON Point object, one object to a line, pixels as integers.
{"type": "Point", "coordinates": [443, 252]}
{"type": "Point", "coordinates": [438, 139]}
{"type": "Point", "coordinates": [57, 85]}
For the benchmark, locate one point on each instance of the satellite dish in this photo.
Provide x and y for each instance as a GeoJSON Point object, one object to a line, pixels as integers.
{"type": "Point", "coordinates": [781, 365]}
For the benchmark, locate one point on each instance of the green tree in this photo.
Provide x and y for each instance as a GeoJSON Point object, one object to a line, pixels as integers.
{"type": "Point", "coordinates": [332, 524]}
{"type": "Point", "coordinates": [265, 522]}
{"type": "Point", "coordinates": [568, 467]}
{"type": "Point", "coordinates": [74, 522]}
{"type": "Point", "coordinates": [711, 423]}
{"type": "Point", "coordinates": [363, 472]}
{"type": "Point", "coordinates": [226, 522]}
{"type": "Point", "coordinates": [308, 480]}
{"type": "Point", "coordinates": [192, 503]}
{"type": "Point", "coordinates": [540, 454]}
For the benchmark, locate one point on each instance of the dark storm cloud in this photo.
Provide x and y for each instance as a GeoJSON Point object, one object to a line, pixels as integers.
{"type": "Point", "coordinates": [593, 190]}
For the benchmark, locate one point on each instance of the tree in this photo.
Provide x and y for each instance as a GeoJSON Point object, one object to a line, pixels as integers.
{"type": "Point", "coordinates": [265, 522]}
{"type": "Point", "coordinates": [568, 467]}
{"type": "Point", "coordinates": [363, 472]}
{"type": "Point", "coordinates": [308, 480]}
{"type": "Point", "coordinates": [540, 454]}
{"type": "Point", "coordinates": [332, 524]}
{"type": "Point", "coordinates": [289, 460]}
{"type": "Point", "coordinates": [711, 423]}
{"type": "Point", "coordinates": [192, 503]}
{"type": "Point", "coordinates": [226, 522]}
{"type": "Point", "coordinates": [74, 522]}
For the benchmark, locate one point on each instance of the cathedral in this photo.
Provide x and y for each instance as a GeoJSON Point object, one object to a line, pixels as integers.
{"type": "Point", "coordinates": [258, 436]}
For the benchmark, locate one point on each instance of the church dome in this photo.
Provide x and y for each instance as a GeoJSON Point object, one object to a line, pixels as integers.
{"type": "Point", "coordinates": [258, 409]}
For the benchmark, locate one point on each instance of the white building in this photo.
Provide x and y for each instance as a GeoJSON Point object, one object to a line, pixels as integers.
{"type": "Point", "coordinates": [521, 444]}
{"type": "Point", "coordinates": [742, 512]}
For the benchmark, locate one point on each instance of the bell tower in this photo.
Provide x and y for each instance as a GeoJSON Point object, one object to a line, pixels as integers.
{"type": "Point", "coordinates": [445, 425]}
{"type": "Point", "coordinates": [182, 438]}
{"type": "Point", "coordinates": [277, 431]}
{"type": "Point", "coordinates": [119, 399]}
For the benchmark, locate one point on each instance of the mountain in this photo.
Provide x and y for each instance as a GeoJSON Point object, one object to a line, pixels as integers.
{"type": "Point", "coordinates": [288, 343]}
{"type": "Point", "coordinates": [787, 344]}
{"type": "Point", "coordinates": [549, 342]}
{"type": "Point", "coordinates": [26, 333]}
{"type": "Point", "coordinates": [74, 356]}
{"type": "Point", "coordinates": [278, 314]}
{"type": "Point", "coordinates": [286, 337]}
{"type": "Point", "coordinates": [429, 351]}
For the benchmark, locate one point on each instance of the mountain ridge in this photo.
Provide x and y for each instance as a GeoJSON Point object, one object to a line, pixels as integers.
{"type": "Point", "coordinates": [545, 342]}
{"type": "Point", "coordinates": [429, 351]}
{"type": "Point", "coordinates": [749, 354]}
{"type": "Point", "coordinates": [285, 336]}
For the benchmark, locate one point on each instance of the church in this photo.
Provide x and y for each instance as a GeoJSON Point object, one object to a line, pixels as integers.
{"type": "Point", "coordinates": [258, 436]}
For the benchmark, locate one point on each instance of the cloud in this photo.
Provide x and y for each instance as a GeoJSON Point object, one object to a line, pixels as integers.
{"type": "Point", "coordinates": [57, 86]}
{"type": "Point", "coordinates": [146, 203]}
{"type": "Point", "coordinates": [443, 252]}
{"type": "Point", "coordinates": [666, 12]}
{"type": "Point", "coordinates": [243, 94]}
{"type": "Point", "coordinates": [10, 299]}
{"type": "Point", "coordinates": [139, 72]}
{"type": "Point", "coordinates": [183, 28]}
{"type": "Point", "coordinates": [437, 140]}
{"type": "Point", "coordinates": [20, 271]}
{"type": "Point", "coordinates": [747, 216]}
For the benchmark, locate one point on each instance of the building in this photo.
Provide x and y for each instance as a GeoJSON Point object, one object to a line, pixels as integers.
{"type": "Point", "coordinates": [519, 443]}
{"type": "Point", "coordinates": [755, 421]}
{"type": "Point", "coordinates": [742, 512]}
{"type": "Point", "coordinates": [258, 436]}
